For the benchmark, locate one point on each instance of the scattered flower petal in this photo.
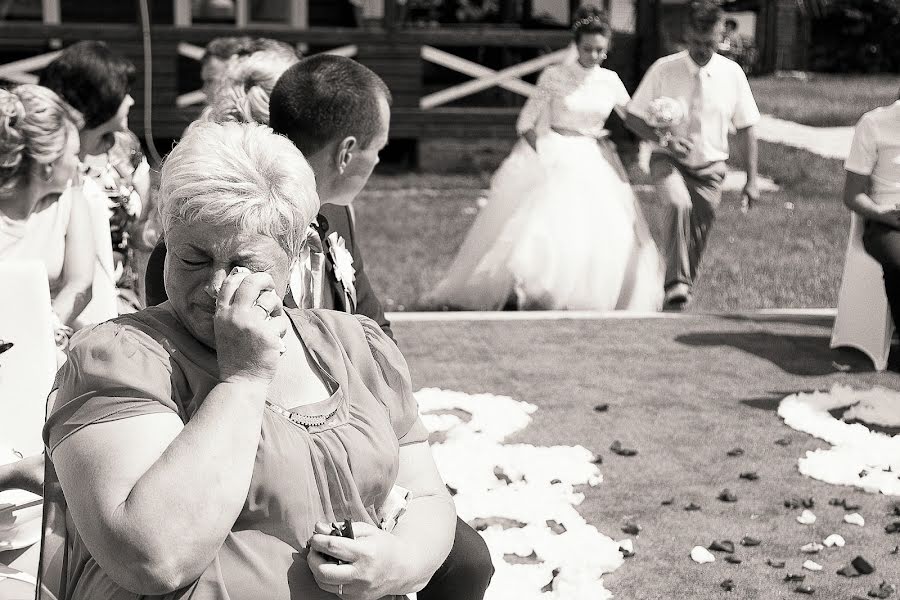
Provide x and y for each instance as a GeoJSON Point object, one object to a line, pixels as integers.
{"type": "Point", "coordinates": [727, 495]}
{"type": "Point", "coordinates": [806, 517]}
{"type": "Point", "coordinates": [862, 565]}
{"type": "Point", "coordinates": [750, 541]}
{"type": "Point", "coordinates": [794, 577]}
{"type": "Point", "coordinates": [735, 452]}
{"type": "Point", "coordinates": [701, 555]}
{"type": "Point", "coordinates": [727, 585]}
{"type": "Point", "coordinates": [722, 546]}
{"type": "Point", "coordinates": [812, 548]}
{"type": "Point", "coordinates": [812, 566]}
{"type": "Point", "coordinates": [855, 519]}
{"type": "Point", "coordinates": [834, 540]}
{"type": "Point", "coordinates": [775, 564]}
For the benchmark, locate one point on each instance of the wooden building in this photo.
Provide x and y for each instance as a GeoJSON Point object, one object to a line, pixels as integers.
{"type": "Point", "coordinates": [465, 80]}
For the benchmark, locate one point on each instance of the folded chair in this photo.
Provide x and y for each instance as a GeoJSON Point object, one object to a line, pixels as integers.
{"type": "Point", "coordinates": [863, 318]}
{"type": "Point", "coordinates": [27, 369]}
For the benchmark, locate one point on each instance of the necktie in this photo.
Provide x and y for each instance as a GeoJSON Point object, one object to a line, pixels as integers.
{"type": "Point", "coordinates": [306, 278]}
{"type": "Point", "coordinates": [695, 123]}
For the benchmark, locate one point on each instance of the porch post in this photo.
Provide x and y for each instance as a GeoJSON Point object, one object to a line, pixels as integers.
{"type": "Point", "coordinates": [299, 14]}
{"type": "Point", "coordinates": [183, 13]}
{"type": "Point", "coordinates": [51, 12]}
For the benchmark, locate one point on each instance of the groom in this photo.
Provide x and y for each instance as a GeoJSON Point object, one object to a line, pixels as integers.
{"type": "Point", "coordinates": [689, 168]}
{"type": "Point", "coordinates": [337, 112]}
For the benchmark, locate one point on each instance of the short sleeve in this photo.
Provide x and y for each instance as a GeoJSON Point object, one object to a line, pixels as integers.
{"type": "Point", "coordinates": [746, 113]}
{"type": "Point", "coordinates": [394, 387]}
{"type": "Point", "coordinates": [113, 371]}
{"type": "Point", "coordinates": [621, 97]}
{"type": "Point", "coordinates": [863, 150]}
{"type": "Point", "coordinates": [647, 92]}
{"type": "Point", "coordinates": [535, 113]}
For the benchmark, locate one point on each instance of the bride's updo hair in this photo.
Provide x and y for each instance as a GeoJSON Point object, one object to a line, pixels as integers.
{"type": "Point", "coordinates": [590, 19]}
{"type": "Point", "coordinates": [247, 82]}
{"type": "Point", "coordinates": [35, 125]}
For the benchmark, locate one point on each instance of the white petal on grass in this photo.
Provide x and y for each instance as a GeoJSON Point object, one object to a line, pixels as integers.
{"type": "Point", "coordinates": [855, 519]}
{"type": "Point", "coordinates": [806, 517]}
{"type": "Point", "coordinates": [473, 460]}
{"type": "Point", "coordinates": [858, 456]}
{"type": "Point", "coordinates": [701, 555]}
{"type": "Point", "coordinates": [834, 540]}
{"type": "Point", "coordinates": [812, 566]}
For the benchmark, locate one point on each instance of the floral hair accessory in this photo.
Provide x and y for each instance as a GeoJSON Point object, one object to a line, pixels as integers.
{"type": "Point", "coordinates": [587, 21]}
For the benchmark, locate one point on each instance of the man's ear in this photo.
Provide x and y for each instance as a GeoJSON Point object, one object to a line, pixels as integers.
{"type": "Point", "coordinates": [346, 150]}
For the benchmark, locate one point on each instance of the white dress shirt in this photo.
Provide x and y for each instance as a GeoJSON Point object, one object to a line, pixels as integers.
{"type": "Point", "coordinates": [875, 151]}
{"type": "Point", "coordinates": [726, 100]}
{"type": "Point", "coordinates": [573, 98]}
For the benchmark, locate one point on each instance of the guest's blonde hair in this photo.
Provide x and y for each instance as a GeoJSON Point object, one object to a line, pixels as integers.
{"type": "Point", "coordinates": [247, 82]}
{"type": "Point", "coordinates": [35, 125]}
{"type": "Point", "coordinates": [241, 175]}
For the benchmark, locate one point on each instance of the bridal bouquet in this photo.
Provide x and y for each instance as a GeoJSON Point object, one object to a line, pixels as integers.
{"type": "Point", "coordinates": [664, 114]}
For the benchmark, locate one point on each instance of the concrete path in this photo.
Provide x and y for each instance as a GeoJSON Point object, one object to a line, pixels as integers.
{"type": "Point", "coordinates": [831, 142]}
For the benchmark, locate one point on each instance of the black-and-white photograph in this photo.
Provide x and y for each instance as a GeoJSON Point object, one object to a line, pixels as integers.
{"type": "Point", "coordinates": [449, 299]}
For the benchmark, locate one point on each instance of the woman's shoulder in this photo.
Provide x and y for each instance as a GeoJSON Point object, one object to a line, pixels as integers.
{"type": "Point", "coordinates": [125, 339]}
{"type": "Point", "coordinates": [353, 332]}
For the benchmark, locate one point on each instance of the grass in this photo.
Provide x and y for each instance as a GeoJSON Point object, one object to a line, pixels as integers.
{"type": "Point", "coordinates": [682, 420]}
{"type": "Point", "coordinates": [824, 100]}
{"type": "Point", "coordinates": [412, 225]}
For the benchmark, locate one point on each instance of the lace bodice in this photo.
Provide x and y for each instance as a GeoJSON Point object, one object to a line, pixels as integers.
{"type": "Point", "coordinates": [573, 98]}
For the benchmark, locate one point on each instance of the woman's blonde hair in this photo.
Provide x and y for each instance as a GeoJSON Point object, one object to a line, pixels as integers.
{"type": "Point", "coordinates": [35, 125]}
{"type": "Point", "coordinates": [241, 175]}
{"type": "Point", "coordinates": [247, 82]}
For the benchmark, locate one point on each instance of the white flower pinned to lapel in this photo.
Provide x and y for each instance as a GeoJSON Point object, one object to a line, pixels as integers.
{"type": "Point", "coordinates": [343, 264]}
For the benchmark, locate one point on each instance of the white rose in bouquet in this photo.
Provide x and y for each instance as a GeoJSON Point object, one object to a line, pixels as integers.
{"type": "Point", "coordinates": [664, 114]}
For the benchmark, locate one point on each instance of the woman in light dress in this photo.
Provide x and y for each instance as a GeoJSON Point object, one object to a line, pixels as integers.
{"type": "Point", "coordinates": [562, 228]}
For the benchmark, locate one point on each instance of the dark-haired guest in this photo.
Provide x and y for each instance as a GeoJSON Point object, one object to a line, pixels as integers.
{"type": "Point", "coordinates": [520, 251]}
{"type": "Point", "coordinates": [872, 190]}
{"type": "Point", "coordinates": [96, 81]}
{"type": "Point", "coordinates": [337, 112]}
{"type": "Point", "coordinates": [688, 166]}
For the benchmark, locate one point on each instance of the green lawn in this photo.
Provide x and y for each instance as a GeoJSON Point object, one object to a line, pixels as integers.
{"type": "Point", "coordinates": [824, 100]}
{"type": "Point", "coordinates": [682, 392]}
{"type": "Point", "coordinates": [412, 225]}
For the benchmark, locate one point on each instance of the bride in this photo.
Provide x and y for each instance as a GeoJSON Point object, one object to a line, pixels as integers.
{"type": "Point", "coordinates": [562, 228]}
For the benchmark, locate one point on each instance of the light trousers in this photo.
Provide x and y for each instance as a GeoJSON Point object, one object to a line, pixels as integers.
{"type": "Point", "coordinates": [690, 197]}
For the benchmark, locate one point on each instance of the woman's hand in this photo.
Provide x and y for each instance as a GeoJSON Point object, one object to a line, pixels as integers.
{"type": "Point", "coordinates": [249, 325]}
{"type": "Point", "coordinates": [371, 562]}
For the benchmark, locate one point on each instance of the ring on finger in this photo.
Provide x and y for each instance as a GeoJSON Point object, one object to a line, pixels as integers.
{"type": "Point", "coordinates": [259, 304]}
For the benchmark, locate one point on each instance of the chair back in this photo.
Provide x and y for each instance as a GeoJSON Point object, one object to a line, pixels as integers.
{"type": "Point", "coordinates": [863, 319]}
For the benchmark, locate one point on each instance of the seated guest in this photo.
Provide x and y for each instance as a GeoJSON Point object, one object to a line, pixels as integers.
{"type": "Point", "coordinates": [245, 85]}
{"type": "Point", "coordinates": [337, 112]}
{"type": "Point", "coordinates": [872, 190]}
{"type": "Point", "coordinates": [219, 52]}
{"type": "Point", "coordinates": [96, 81]}
{"type": "Point", "coordinates": [38, 160]}
{"type": "Point", "coordinates": [204, 444]}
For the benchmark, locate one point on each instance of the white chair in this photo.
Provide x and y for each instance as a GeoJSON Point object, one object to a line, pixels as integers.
{"type": "Point", "coordinates": [863, 318]}
{"type": "Point", "coordinates": [26, 376]}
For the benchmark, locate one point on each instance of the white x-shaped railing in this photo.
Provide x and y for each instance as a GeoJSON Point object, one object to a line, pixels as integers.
{"type": "Point", "coordinates": [20, 71]}
{"type": "Point", "coordinates": [508, 79]}
{"type": "Point", "coordinates": [196, 53]}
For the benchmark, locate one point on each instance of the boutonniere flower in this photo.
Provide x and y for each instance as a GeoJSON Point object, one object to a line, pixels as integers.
{"type": "Point", "coordinates": [343, 264]}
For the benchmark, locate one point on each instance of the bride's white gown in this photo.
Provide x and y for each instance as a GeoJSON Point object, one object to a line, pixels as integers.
{"type": "Point", "coordinates": [562, 228]}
